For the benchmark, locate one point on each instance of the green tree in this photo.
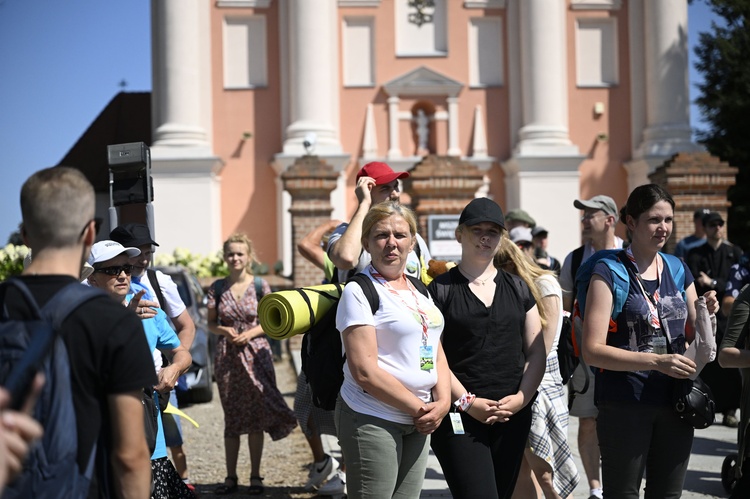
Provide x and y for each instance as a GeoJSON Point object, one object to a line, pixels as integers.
{"type": "Point", "coordinates": [724, 61]}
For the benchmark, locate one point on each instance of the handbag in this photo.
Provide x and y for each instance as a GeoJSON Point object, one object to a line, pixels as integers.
{"type": "Point", "coordinates": [693, 402]}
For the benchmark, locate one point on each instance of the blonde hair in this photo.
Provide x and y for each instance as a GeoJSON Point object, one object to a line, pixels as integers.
{"type": "Point", "coordinates": [524, 267]}
{"type": "Point", "coordinates": [239, 237]}
{"type": "Point", "coordinates": [383, 210]}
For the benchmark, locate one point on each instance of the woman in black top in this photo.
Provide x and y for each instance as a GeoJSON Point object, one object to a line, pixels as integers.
{"type": "Point", "coordinates": [495, 350]}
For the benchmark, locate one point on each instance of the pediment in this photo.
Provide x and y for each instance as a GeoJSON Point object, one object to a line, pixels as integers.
{"type": "Point", "coordinates": [423, 81]}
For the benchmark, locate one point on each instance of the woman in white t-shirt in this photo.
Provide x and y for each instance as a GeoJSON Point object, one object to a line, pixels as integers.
{"type": "Point", "coordinates": [396, 387]}
{"type": "Point", "coordinates": [547, 457]}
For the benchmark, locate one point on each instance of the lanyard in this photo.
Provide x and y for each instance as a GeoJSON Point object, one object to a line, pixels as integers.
{"type": "Point", "coordinates": [651, 300]}
{"type": "Point", "coordinates": [417, 310]}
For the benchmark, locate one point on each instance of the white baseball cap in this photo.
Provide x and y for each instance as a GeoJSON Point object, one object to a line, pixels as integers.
{"type": "Point", "coordinates": [107, 250]}
{"type": "Point", "coordinates": [520, 234]}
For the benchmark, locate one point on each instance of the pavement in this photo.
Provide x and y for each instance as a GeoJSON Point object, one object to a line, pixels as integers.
{"type": "Point", "coordinates": [703, 480]}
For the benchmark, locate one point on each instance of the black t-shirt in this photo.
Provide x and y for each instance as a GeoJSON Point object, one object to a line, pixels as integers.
{"type": "Point", "coordinates": [484, 345]}
{"type": "Point", "coordinates": [108, 355]}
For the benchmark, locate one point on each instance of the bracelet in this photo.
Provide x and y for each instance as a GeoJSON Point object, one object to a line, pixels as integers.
{"type": "Point", "coordinates": [464, 401]}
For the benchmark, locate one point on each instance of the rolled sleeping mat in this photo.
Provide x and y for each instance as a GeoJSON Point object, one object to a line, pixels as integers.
{"type": "Point", "coordinates": [286, 313]}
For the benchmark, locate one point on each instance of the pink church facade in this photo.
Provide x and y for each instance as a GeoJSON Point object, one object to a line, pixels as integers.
{"type": "Point", "coordinates": [552, 100]}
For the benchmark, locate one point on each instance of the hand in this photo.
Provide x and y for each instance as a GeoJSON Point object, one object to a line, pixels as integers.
{"type": "Point", "coordinates": [430, 416]}
{"type": "Point", "coordinates": [364, 188]}
{"type": "Point", "coordinates": [227, 331]}
{"type": "Point", "coordinates": [17, 431]}
{"type": "Point", "coordinates": [712, 303]}
{"type": "Point", "coordinates": [704, 280]}
{"type": "Point", "coordinates": [144, 309]}
{"type": "Point", "coordinates": [675, 365]}
{"type": "Point", "coordinates": [242, 339]}
{"type": "Point", "coordinates": [510, 405]}
{"type": "Point", "coordinates": [484, 410]}
{"type": "Point", "coordinates": [167, 379]}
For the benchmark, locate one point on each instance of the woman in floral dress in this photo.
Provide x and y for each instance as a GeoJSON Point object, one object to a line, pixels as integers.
{"type": "Point", "coordinates": [244, 366]}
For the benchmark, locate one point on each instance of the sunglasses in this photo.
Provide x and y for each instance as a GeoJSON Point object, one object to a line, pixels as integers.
{"type": "Point", "coordinates": [716, 224]}
{"type": "Point", "coordinates": [115, 270]}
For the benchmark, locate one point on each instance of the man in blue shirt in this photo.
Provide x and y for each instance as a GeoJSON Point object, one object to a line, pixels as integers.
{"type": "Point", "coordinates": [695, 239]}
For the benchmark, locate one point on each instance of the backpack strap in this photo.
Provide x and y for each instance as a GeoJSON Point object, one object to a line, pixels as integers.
{"type": "Point", "coordinates": [154, 280]}
{"type": "Point", "coordinates": [576, 261]}
{"type": "Point", "coordinates": [677, 269]}
{"type": "Point", "coordinates": [368, 288]}
{"type": "Point", "coordinates": [67, 300]}
{"type": "Point", "coordinates": [419, 285]}
{"type": "Point", "coordinates": [218, 287]}
{"type": "Point", "coordinates": [14, 282]}
{"type": "Point", "coordinates": [620, 281]}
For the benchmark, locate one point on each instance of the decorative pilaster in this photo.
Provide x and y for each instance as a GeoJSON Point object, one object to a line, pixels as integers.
{"type": "Point", "coordinates": [441, 185]}
{"type": "Point", "coordinates": [309, 181]}
{"type": "Point", "coordinates": [695, 180]}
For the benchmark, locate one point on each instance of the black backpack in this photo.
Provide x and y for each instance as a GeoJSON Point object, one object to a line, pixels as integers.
{"type": "Point", "coordinates": [566, 352]}
{"type": "Point", "coordinates": [322, 361]}
{"type": "Point", "coordinates": [51, 469]}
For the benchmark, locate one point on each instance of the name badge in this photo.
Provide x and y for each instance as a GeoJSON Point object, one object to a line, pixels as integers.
{"type": "Point", "coordinates": [457, 424]}
{"type": "Point", "coordinates": [426, 358]}
{"type": "Point", "coordinates": [660, 345]}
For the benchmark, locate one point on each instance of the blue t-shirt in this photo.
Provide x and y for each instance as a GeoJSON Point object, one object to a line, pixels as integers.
{"type": "Point", "coordinates": [159, 334]}
{"type": "Point", "coordinates": [634, 333]}
{"type": "Point", "coordinates": [683, 247]}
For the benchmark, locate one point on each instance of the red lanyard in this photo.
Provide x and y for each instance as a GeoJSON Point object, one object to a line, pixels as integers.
{"type": "Point", "coordinates": [651, 300]}
{"type": "Point", "coordinates": [422, 315]}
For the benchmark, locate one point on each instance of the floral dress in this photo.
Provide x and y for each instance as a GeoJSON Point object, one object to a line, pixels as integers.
{"type": "Point", "coordinates": [245, 374]}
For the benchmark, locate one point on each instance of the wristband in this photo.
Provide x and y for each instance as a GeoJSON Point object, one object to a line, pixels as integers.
{"type": "Point", "coordinates": [464, 401]}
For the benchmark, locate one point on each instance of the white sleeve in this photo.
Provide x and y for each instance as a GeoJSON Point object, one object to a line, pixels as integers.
{"type": "Point", "coordinates": [354, 309]}
{"type": "Point", "coordinates": [548, 286]}
{"type": "Point", "coordinates": [175, 305]}
{"type": "Point", "coordinates": [566, 278]}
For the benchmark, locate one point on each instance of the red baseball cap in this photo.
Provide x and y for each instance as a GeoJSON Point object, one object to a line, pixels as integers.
{"type": "Point", "coordinates": [382, 173]}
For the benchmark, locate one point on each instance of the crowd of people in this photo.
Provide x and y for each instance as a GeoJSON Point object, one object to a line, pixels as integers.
{"type": "Point", "coordinates": [467, 365]}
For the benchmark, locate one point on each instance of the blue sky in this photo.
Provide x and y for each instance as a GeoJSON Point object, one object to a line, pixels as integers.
{"type": "Point", "coordinates": [63, 61]}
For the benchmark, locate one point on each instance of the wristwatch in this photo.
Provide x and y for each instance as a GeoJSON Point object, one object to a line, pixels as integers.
{"type": "Point", "coordinates": [713, 284]}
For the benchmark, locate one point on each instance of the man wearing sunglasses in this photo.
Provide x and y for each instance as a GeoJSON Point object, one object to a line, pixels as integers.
{"type": "Point", "coordinates": [710, 264]}
{"type": "Point", "coordinates": [108, 354]}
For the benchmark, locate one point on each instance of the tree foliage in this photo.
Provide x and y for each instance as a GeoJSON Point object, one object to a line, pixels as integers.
{"type": "Point", "coordinates": [723, 56]}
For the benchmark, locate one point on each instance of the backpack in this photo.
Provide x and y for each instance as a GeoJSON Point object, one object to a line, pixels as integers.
{"type": "Point", "coordinates": [620, 287]}
{"type": "Point", "coordinates": [51, 469]}
{"type": "Point", "coordinates": [322, 361]}
{"type": "Point", "coordinates": [567, 350]}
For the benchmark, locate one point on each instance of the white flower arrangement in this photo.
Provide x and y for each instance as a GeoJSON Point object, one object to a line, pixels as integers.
{"type": "Point", "coordinates": [11, 260]}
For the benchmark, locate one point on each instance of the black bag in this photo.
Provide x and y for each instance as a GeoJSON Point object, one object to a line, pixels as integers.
{"type": "Point", "coordinates": [566, 354]}
{"type": "Point", "coordinates": [693, 402]}
{"type": "Point", "coordinates": [150, 415]}
{"type": "Point", "coordinates": [322, 360]}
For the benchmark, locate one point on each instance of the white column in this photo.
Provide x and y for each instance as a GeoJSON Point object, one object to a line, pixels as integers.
{"type": "Point", "coordinates": [177, 77]}
{"type": "Point", "coordinates": [667, 88]}
{"type": "Point", "coordinates": [313, 80]}
{"type": "Point", "coordinates": [394, 147]}
{"type": "Point", "coordinates": [453, 148]}
{"type": "Point", "coordinates": [544, 75]}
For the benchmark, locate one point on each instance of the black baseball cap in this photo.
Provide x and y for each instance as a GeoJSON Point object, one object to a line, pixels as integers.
{"type": "Point", "coordinates": [700, 213]}
{"type": "Point", "coordinates": [132, 235]}
{"type": "Point", "coordinates": [713, 217]}
{"type": "Point", "coordinates": [482, 210]}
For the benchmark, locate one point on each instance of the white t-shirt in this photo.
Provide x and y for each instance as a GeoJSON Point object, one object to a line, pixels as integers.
{"type": "Point", "coordinates": [413, 266]}
{"type": "Point", "coordinates": [398, 331]}
{"type": "Point", "coordinates": [548, 286]}
{"type": "Point", "coordinates": [174, 306]}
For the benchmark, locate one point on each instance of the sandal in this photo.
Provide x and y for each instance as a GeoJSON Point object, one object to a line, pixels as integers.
{"type": "Point", "coordinates": [254, 489]}
{"type": "Point", "coordinates": [225, 489]}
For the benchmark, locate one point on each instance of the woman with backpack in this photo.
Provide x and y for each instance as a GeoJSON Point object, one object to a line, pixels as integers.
{"type": "Point", "coordinates": [547, 457]}
{"type": "Point", "coordinates": [495, 351]}
{"type": "Point", "coordinates": [639, 353]}
{"type": "Point", "coordinates": [396, 386]}
{"type": "Point", "coordinates": [244, 365]}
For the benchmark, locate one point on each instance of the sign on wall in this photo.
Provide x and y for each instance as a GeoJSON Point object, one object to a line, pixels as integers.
{"type": "Point", "coordinates": [442, 237]}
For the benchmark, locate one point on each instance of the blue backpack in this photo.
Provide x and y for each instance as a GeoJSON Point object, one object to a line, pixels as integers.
{"type": "Point", "coordinates": [620, 278]}
{"type": "Point", "coordinates": [51, 469]}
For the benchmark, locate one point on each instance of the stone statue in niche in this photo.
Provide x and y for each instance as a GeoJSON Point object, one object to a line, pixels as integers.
{"type": "Point", "coordinates": [423, 133]}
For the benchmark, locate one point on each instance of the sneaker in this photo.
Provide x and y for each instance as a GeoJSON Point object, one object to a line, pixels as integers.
{"type": "Point", "coordinates": [320, 472]}
{"type": "Point", "coordinates": [334, 486]}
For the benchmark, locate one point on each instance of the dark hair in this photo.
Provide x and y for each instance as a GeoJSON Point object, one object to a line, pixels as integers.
{"type": "Point", "coordinates": [643, 198]}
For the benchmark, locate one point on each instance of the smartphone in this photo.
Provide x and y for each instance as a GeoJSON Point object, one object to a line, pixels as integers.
{"type": "Point", "coordinates": [22, 374]}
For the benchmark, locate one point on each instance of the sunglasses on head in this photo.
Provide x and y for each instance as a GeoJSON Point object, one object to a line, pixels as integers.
{"type": "Point", "coordinates": [115, 270]}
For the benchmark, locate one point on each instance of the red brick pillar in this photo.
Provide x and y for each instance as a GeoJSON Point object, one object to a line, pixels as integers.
{"type": "Point", "coordinates": [441, 185]}
{"type": "Point", "coordinates": [695, 180]}
{"type": "Point", "coordinates": [310, 182]}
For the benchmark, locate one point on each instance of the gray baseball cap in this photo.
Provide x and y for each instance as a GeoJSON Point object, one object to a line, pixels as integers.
{"type": "Point", "coordinates": [600, 202]}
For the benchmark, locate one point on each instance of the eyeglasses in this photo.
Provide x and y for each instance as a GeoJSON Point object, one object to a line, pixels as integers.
{"type": "Point", "coordinates": [97, 225]}
{"type": "Point", "coordinates": [115, 270]}
{"type": "Point", "coordinates": [591, 216]}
